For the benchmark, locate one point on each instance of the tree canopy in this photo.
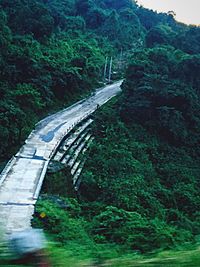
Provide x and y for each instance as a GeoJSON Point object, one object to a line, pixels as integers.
{"type": "Point", "coordinates": [141, 181]}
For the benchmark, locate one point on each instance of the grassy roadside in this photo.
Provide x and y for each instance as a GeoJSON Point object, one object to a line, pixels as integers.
{"type": "Point", "coordinates": [63, 256]}
{"type": "Point", "coordinates": [182, 258]}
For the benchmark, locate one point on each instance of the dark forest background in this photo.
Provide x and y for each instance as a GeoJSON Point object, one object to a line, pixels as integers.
{"type": "Point", "coordinates": [140, 188]}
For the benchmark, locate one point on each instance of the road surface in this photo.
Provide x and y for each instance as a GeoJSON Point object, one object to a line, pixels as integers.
{"type": "Point", "coordinates": [21, 180]}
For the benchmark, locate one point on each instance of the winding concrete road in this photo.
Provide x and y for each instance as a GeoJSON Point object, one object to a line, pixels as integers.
{"type": "Point", "coordinates": [21, 180]}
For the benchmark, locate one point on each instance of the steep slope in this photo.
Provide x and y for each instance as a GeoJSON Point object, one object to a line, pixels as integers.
{"type": "Point", "coordinates": [54, 51]}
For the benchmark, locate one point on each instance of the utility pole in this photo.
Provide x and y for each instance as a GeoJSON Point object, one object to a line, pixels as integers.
{"type": "Point", "coordinates": [110, 70]}
{"type": "Point", "coordinates": [105, 69]}
{"type": "Point", "coordinates": [120, 59]}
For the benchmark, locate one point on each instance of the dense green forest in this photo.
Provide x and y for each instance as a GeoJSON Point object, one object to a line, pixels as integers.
{"type": "Point", "coordinates": [54, 51]}
{"type": "Point", "coordinates": [140, 189]}
{"type": "Point", "coordinates": [51, 53]}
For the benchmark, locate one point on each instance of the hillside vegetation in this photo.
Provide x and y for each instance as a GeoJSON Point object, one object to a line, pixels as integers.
{"type": "Point", "coordinates": [140, 189]}
{"type": "Point", "coordinates": [51, 52]}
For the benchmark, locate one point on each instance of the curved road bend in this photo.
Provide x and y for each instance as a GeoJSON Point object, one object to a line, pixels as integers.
{"type": "Point", "coordinates": [21, 180]}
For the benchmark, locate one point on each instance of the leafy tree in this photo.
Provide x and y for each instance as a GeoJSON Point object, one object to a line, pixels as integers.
{"type": "Point", "coordinates": [5, 33]}
{"type": "Point", "coordinates": [160, 34]}
{"type": "Point", "coordinates": [119, 4]}
{"type": "Point", "coordinates": [172, 106]}
{"type": "Point", "coordinates": [27, 97]}
{"type": "Point", "coordinates": [149, 18]}
{"type": "Point", "coordinates": [188, 40]}
{"type": "Point", "coordinates": [24, 17]}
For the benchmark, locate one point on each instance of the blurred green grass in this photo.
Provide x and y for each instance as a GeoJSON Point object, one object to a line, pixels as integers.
{"type": "Point", "coordinates": [62, 257]}
{"type": "Point", "coordinates": [74, 254]}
